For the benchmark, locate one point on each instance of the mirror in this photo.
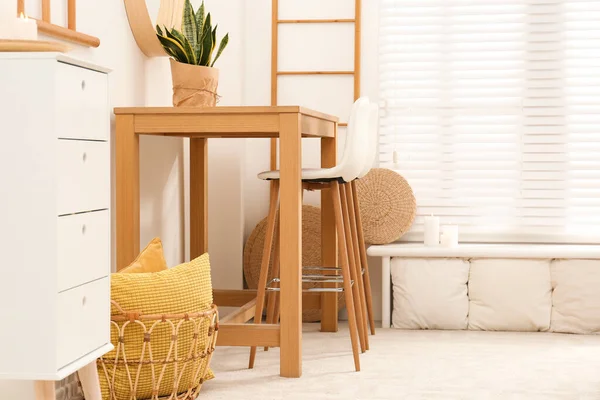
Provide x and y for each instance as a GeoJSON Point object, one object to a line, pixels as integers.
{"type": "Point", "coordinates": [142, 25]}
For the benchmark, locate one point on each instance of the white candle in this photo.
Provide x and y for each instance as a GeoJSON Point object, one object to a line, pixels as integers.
{"type": "Point", "coordinates": [7, 9]}
{"type": "Point", "coordinates": [17, 28]}
{"type": "Point", "coordinates": [449, 236]}
{"type": "Point", "coordinates": [432, 231]}
{"type": "Point", "coordinates": [6, 25]}
{"type": "Point", "coordinates": [25, 28]}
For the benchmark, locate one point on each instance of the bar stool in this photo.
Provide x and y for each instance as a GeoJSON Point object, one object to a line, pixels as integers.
{"type": "Point", "coordinates": [358, 251]}
{"type": "Point", "coordinates": [355, 217]}
{"type": "Point", "coordinates": [349, 168]}
{"type": "Point", "coordinates": [357, 239]}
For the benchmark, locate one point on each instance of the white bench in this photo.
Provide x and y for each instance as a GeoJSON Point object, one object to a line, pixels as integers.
{"type": "Point", "coordinates": [495, 280]}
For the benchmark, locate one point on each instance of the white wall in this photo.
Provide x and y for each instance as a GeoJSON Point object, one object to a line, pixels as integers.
{"type": "Point", "coordinates": [331, 95]}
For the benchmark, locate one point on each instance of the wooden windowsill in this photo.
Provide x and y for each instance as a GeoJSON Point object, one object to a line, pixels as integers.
{"type": "Point", "coordinates": [485, 250]}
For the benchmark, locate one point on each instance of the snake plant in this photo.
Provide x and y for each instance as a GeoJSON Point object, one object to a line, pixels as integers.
{"type": "Point", "coordinates": [197, 40]}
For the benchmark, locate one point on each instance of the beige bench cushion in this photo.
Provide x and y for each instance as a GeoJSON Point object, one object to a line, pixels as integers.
{"type": "Point", "coordinates": [576, 296]}
{"type": "Point", "coordinates": [510, 295]}
{"type": "Point", "coordinates": [430, 293]}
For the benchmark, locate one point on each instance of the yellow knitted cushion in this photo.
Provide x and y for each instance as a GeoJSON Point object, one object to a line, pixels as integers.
{"type": "Point", "coordinates": [183, 289]}
{"type": "Point", "coordinates": [151, 259]}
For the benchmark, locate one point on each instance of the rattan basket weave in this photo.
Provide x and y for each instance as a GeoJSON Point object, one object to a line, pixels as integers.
{"type": "Point", "coordinates": [311, 253]}
{"type": "Point", "coordinates": [387, 205]}
{"type": "Point", "coordinates": [148, 372]}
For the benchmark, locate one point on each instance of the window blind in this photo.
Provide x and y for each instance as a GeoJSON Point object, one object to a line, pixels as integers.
{"type": "Point", "coordinates": [491, 111]}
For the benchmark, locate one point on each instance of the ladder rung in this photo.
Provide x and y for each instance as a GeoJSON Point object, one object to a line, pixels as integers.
{"type": "Point", "coordinates": [316, 21]}
{"type": "Point", "coordinates": [315, 72]}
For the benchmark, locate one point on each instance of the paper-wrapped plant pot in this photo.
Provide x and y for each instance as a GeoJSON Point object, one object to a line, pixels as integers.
{"type": "Point", "coordinates": [387, 205]}
{"type": "Point", "coordinates": [194, 85]}
{"type": "Point", "coordinates": [311, 253]}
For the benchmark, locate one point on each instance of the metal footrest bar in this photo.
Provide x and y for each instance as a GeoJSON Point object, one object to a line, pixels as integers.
{"type": "Point", "coordinates": [322, 278]}
{"type": "Point", "coordinates": [276, 281]}
{"type": "Point", "coordinates": [311, 290]}
{"type": "Point", "coordinates": [322, 268]}
{"type": "Point", "coordinates": [318, 279]}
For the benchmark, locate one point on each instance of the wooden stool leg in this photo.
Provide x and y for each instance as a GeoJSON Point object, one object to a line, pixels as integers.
{"type": "Point", "coordinates": [276, 297]}
{"type": "Point", "coordinates": [264, 267]}
{"type": "Point", "coordinates": [358, 262]}
{"type": "Point", "coordinates": [352, 265]}
{"type": "Point", "coordinates": [363, 258]}
{"type": "Point", "coordinates": [272, 296]}
{"type": "Point", "coordinates": [339, 223]}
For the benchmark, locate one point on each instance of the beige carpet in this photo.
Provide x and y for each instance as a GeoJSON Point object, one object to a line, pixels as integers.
{"type": "Point", "coordinates": [419, 365]}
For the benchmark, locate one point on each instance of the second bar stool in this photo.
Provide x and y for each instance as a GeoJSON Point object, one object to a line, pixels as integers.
{"type": "Point", "coordinates": [360, 251]}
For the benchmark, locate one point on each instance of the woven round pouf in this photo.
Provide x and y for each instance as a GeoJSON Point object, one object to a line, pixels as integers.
{"type": "Point", "coordinates": [311, 253]}
{"type": "Point", "coordinates": [387, 205]}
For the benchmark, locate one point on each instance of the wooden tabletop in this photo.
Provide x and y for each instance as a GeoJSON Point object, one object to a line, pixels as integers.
{"type": "Point", "coordinates": [224, 122]}
{"type": "Point", "coordinates": [225, 110]}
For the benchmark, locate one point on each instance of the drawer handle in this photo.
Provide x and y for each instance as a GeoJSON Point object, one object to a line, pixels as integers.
{"type": "Point", "coordinates": [83, 84]}
{"type": "Point", "coordinates": [84, 156]}
{"type": "Point", "coordinates": [84, 301]}
{"type": "Point", "coordinates": [83, 229]}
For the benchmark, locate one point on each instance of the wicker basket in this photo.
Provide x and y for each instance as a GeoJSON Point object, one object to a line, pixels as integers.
{"type": "Point", "coordinates": [176, 375]}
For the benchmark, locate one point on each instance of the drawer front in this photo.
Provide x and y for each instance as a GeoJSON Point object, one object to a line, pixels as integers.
{"type": "Point", "coordinates": [83, 320]}
{"type": "Point", "coordinates": [83, 176]}
{"type": "Point", "coordinates": [81, 103]}
{"type": "Point", "coordinates": [83, 248]}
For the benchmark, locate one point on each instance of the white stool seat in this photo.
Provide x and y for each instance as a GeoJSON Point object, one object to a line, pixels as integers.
{"type": "Point", "coordinates": [337, 172]}
{"type": "Point", "coordinates": [356, 162]}
{"type": "Point", "coordinates": [355, 150]}
{"type": "Point", "coordinates": [308, 174]}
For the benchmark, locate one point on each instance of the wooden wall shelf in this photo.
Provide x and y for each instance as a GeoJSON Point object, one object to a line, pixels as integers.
{"type": "Point", "coordinates": [67, 34]}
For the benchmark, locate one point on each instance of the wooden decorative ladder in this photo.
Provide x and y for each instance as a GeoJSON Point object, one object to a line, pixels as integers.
{"type": "Point", "coordinates": [276, 73]}
{"type": "Point", "coordinates": [329, 302]}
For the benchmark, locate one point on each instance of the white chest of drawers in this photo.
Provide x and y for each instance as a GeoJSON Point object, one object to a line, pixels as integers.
{"type": "Point", "coordinates": [54, 215]}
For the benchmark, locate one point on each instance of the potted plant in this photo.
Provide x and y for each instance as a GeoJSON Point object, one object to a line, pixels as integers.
{"type": "Point", "coordinates": [195, 79]}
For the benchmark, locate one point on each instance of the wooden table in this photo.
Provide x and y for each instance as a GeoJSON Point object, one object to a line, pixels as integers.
{"type": "Point", "coordinates": [289, 124]}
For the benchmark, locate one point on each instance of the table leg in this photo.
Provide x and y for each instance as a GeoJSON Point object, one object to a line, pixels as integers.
{"type": "Point", "coordinates": [198, 197]}
{"type": "Point", "coordinates": [290, 229]}
{"type": "Point", "coordinates": [329, 249]}
{"type": "Point", "coordinates": [127, 190]}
